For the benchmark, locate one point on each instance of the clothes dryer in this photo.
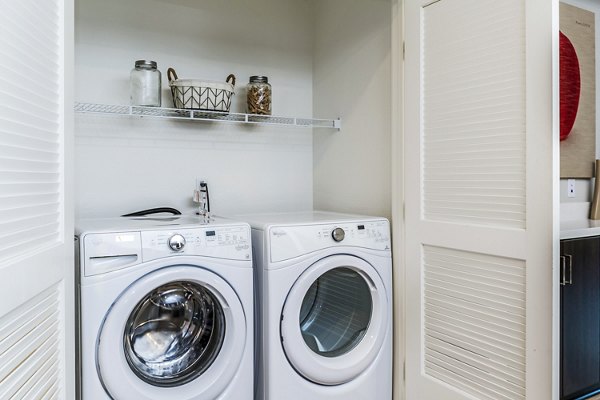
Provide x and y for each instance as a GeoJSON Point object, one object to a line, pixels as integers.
{"type": "Point", "coordinates": [166, 309]}
{"type": "Point", "coordinates": [324, 302]}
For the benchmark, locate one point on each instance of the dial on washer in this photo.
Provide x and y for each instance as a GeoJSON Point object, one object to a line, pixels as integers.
{"type": "Point", "coordinates": [338, 234]}
{"type": "Point", "coordinates": [176, 242]}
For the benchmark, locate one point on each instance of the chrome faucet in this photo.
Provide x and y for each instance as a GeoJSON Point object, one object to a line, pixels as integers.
{"type": "Point", "coordinates": [201, 197]}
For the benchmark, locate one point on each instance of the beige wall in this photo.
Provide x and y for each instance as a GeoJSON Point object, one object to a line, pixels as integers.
{"type": "Point", "coordinates": [352, 79]}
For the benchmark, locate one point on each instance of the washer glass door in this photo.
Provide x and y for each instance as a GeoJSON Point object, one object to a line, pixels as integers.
{"type": "Point", "coordinates": [174, 333]}
{"type": "Point", "coordinates": [177, 332]}
{"type": "Point", "coordinates": [335, 319]}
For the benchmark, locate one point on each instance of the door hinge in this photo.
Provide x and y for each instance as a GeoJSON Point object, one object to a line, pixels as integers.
{"type": "Point", "coordinates": [403, 50]}
{"type": "Point", "coordinates": [404, 371]}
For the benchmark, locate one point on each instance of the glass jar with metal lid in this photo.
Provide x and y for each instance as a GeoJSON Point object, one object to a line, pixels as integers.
{"type": "Point", "coordinates": [145, 84]}
{"type": "Point", "coordinates": [259, 95]}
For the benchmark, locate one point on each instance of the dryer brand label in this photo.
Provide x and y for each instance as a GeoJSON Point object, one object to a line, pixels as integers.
{"type": "Point", "coordinates": [278, 233]}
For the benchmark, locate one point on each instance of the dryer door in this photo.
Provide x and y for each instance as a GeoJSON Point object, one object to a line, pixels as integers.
{"type": "Point", "coordinates": [335, 319]}
{"type": "Point", "coordinates": [178, 332]}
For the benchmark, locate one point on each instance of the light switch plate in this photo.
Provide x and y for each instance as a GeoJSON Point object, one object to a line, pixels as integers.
{"type": "Point", "coordinates": [570, 187]}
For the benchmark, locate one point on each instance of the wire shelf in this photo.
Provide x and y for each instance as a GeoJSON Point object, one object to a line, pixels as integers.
{"type": "Point", "coordinates": [199, 115]}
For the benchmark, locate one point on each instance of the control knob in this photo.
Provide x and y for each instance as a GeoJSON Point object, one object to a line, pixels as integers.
{"type": "Point", "coordinates": [338, 234]}
{"type": "Point", "coordinates": [176, 242]}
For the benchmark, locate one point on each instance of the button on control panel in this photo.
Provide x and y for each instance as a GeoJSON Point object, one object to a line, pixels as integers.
{"type": "Point", "coordinates": [176, 242]}
{"type": "Point", "coordinates": [338, 234]}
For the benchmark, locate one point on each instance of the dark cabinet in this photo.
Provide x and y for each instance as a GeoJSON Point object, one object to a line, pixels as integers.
{"type": "Point", "coordinates": [580, 317]}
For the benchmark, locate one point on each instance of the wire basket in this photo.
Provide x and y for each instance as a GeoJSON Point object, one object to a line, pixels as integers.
{"type": "Point", "coordinates": [195, 94]}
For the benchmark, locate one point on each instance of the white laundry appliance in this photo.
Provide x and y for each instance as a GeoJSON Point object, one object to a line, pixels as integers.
{"type": "Point", "coordinates": [324, 323]}
{"type": "Point", "coordinates": [166, 309]}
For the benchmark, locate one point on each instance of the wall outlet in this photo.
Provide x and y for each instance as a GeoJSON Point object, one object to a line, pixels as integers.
{"type": "Point", "coordinates": [570, 187]}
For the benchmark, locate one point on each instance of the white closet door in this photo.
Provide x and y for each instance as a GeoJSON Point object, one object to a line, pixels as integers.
{"type": "Point", "coordinates": [36, 228]}
{"type": "Point", "coordinates": [481, 159]}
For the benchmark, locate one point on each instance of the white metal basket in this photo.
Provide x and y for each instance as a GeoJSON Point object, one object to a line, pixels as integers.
{"type": "Point", "coordinates": [195, 94]}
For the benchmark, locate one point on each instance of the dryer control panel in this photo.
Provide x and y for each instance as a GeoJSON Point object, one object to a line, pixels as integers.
{"type": "Point", "coordinates": [288, 242]}
{"type": "Point", "coordinates": [227, 242]}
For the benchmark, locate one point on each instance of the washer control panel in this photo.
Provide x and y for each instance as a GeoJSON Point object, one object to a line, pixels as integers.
{"type": "Point", "coordinates": [227, 242]}
{"type": "Point", "coordinates": [292, 241]}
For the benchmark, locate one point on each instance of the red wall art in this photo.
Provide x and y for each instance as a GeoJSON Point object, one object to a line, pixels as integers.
{"type": "Point", "coordinates": [570, 86]}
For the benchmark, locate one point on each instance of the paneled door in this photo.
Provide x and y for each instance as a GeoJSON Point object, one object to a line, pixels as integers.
{"type": "Point", "coordinates": [36, 210]}
{"type": "Point", "coordinates": [481, 158]}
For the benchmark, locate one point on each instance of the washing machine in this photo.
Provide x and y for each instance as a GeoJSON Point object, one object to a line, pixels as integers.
{"type": "Point", "coordinates": [165, 310]}
{"type": "Point", "coordinates": [324, 306]}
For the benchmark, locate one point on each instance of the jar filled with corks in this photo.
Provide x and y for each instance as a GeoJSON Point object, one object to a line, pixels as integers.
{"type": "Point", "coordinates": [259, 95]}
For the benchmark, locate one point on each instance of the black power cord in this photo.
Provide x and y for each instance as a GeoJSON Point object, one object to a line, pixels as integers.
{"type": "Point", "coordinates": [157, 210]}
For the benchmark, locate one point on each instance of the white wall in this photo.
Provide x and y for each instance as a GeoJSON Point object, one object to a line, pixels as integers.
{"type": "Point", "coordinates": [352, 79]}
{"type": "Point", "coordinates": [125, 164]}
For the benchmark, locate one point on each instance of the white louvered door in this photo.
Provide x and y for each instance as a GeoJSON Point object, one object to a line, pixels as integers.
{"type": "Point", "coordinates": [481, 173]}
{"type": "Point", "coordinates": [36, 209]}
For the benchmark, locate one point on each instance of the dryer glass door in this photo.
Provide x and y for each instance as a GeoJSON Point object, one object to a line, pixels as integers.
{"type": "Point", "coordinates": [336, 312]}
{"type": "Point", "coordinates": [174, 333]}
{"type": "Point", "coordinates": [335, 319]}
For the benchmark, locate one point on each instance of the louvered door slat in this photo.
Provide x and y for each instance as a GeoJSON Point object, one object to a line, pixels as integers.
{"type": "Point", "coordinates": [18, 41]}
{"type": "Point", "coordinates": [438, 323]}
{"type": "Point", "coordinates": [466, 262]}
{"type": "Point", "coordinates": [11, 202]}
{"type": "Point", "coordinates": [41, 17]}
{"type": "Point", "coordinates": [479, 374]}
{"type": "Point", "coordinates": [13, 113]}
{"type": "Point", "coordinates": [10, 140]}
{"type": "Point", "coordinates": [27, 224]}
{"type": "Point", "coordinates": [29, 131]}
{"type": "Point", "coordinates": [499, 286]}
{"type": "Point", "coordinates": [512, 338]}
{"type": "Point", "coordinates": [480, 388]}
{"type": "Point", "coordinates": [504, 371]}
{"type": "Point", "coordinates": [501, 291]}
{"type": "Point", "coordinates": [43, 376]}
{"type": "Point", "coordinates": [39, 337]}
{"type": "Point", "coordinates": [48, 311]}
{"type": "Point", "coordinates": [44, 111]}
{"type": "Point", "coordinates": [28, 342]}
{"type": "Point", "coordinates": [44, 44]}
{"type": "Point", "coordinates": [21, 66]}
{"type": "Point", "coordinates": [14, 247]}
{"type": "Point", "coordinates": [29, 91]}
{"type": "Point", "coordinates": [500, 319]}
{"type": "Point", "coordinates": [34, 82]}
{"type": "Point", "coordinates": [19, 153]}
{"type": "Point", "coordinates": [37, 362]}
{"type": "Point", "coordinates": [12, 321]}
{"type": "Point", "coordinates": [47, 391]}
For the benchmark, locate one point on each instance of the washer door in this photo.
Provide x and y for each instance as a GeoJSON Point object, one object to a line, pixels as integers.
{"type": "Point", "coordinates": [177, 332]}
{"type": "Point", "coordinates": [334, 320]}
